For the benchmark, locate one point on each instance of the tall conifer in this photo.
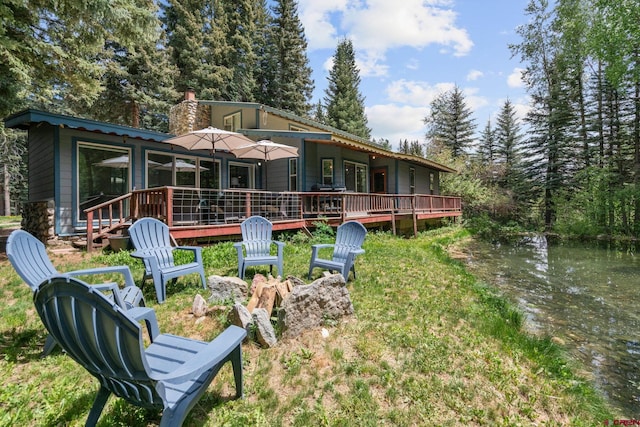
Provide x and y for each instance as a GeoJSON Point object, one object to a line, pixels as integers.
{"type": "Point", "coordinates": [292, 86]}
{"type": "Point", "coordinates": [450, 122]}
{"type": "Point", "coordinates": [345, 103]}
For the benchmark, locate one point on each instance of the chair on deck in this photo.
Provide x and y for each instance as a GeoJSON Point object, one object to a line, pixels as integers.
{"type": "Point", "coordinates": [256, 241]}
{"type": "Point", "coordinates": [29, 258]}
{"type": "Point", "coordinates": [171, 374]}
{"type": "Point", "coordinates": [152, 243]}
{"type": "Point", "coordinates": [349, 239]}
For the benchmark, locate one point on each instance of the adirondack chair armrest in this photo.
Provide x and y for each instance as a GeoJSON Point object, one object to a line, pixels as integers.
{"type": "Point", "coordinates": [197, 252]}
{"type": "Point", "coordinates": [213, 354]}
{"type": "Point", "coordinates": [148, 315]}
{"type": "Point", "coordinates": [239, 246]}
{"type": "Point", "coordinates": [149, 257]}
{"type": "Point", "coordinates": [280, 246]}
{"type": "Point", "coordinates": [316, 248]}
{"type": "Point", "coordinates": [113, 287]}
{"type": "Point", "coordinates": [357, 252]}
{"type": "Point", "coordinates": [122, 269]}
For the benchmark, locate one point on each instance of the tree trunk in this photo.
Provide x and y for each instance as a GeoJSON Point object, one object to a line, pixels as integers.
{"type": "Point", "coordinates": [7, 190]}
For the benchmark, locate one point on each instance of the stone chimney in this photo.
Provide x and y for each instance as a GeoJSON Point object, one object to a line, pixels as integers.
{"type": "Point", "coordinates": [189, 115]}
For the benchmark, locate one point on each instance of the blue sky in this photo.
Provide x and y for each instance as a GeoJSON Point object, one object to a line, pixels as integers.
{"type": "Point", "coordinates": [408, 51]}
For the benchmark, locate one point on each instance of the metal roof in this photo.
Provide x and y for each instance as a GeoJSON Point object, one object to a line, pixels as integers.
{"type": "Point", "coordinates": [23, 119]}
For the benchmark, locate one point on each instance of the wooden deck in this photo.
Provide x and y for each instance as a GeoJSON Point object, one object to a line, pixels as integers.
{"type": "Point", "coordinates": [197, 213]}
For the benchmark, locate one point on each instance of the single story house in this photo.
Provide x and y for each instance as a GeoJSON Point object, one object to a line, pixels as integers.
{"type": "Point", "coordinates": [76, 164]}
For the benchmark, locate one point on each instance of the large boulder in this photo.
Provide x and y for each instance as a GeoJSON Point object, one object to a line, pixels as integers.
{"type": "Point", "coordinates": [227, 288]}
{"type": "Point", "coordinates": [311, 306]}
{"type": "Point", "coordinates": [265, 334]}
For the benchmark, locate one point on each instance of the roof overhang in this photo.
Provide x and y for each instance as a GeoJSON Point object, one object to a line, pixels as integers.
{"type": "Point", "coordinates": [376, 151]}
{"type": "Point", "coordinates": [24, 120]}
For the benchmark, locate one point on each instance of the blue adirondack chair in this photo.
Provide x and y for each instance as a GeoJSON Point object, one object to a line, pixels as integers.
{"type": "Point", "coordinates": [171, 374]}
{"type": "Point", "coordinates": [29, 258]}
{"type": "Point", "coordinates": [152, 242]}
{"type": "Point", "coordinates": [349, 239]}
{"type": "Point", "coordinates": [255, 248]}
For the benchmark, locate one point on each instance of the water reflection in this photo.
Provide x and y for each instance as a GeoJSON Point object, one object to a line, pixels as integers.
{"type": "Point", "coordinates": [583, 294]}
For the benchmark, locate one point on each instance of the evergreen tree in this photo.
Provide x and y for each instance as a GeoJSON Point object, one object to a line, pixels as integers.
{"type": "Point", "coordinates": [319, 113]}
{"type": "Point", "coordinates": [240, 56]}
{"type": "Point", "coordinates": [139, 86]}
{"type": "Point", "coordinates": [487, 145]}
{"type": "Point", "coordinates": [292, 86]}
{"type": "Point", "coordinates": [196, 32]}
{"type": "Point", "coordinates": [547, 148]}
{"type": "Point", "coordinates": [345, 104]}
{"type": "Point", "coordinates": [507, 139]}
{"type": "Point", "coordinates": [384, 143]}
{"type": "Point", "coordinates": [450, 122]}
{"type": "Point", "coordinates": [403, 147]}
{"type": "Point", "coordinates": [266, 64]}
{"type": "Point", "coordinates": [416, 148]}
{"type": "Point", "coordinates": [49, 49]}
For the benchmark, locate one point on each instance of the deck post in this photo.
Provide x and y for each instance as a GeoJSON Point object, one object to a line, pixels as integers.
{"type": "Point", "coordinates": [89, 231]}
{"type": "Point", "coordinates": [169, 204]}
{"type": "Point", "coordinates": [414, 215]}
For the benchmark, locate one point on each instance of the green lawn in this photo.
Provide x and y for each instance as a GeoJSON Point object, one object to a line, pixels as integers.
{"type": "Point", "coordinates": [428, 345]}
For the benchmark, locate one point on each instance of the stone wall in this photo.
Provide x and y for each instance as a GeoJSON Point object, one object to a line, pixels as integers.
{"type": "Point", "coordinates": [187, 116]}
{"type": "Point", "coordinates": [38, 218]}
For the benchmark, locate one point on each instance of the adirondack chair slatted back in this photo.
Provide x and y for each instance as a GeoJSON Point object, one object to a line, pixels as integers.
{"type": "Point", "coordinates": [256, 236]}
{"type": "Point", "coordinates": [98, 335]}
{"type": "Point", "coordinates": [349, 236]}
{"type": "Point", "coordinates": [29, 258]}
{"type": "Point", "coordinates": [148, 234]}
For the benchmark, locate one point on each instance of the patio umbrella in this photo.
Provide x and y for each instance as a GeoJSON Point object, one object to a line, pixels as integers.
{"type": "Point", "coordinates": [181, 166]}
{"type": "Point", "coordinates": [210, 139]}
{"type": "Point", "coordinates": [120, 162]}
{"type": "Point", "coordinates": [265, 150]}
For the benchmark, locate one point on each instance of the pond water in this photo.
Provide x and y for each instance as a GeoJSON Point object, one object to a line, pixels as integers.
{"type": "Point", "coordinates": [584, 294]}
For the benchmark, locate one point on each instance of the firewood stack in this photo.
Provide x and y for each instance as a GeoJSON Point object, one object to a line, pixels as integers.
{"type": "Point", "coordinates": [268, 293]}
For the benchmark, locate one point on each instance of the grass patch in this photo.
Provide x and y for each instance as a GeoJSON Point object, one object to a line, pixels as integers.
{"type": "Point", "coordinates": [428, 345]}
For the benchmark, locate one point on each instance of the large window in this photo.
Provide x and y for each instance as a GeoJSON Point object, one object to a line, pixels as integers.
{"type": "Point", "coordinates": [240, 175]}
{"type": "Point", "coordinates": [181, 171]}
{"type": "Point", "coordinates": [327, 171]}
{"type": "Point", "coordinates": [232, 122]}
{"type": "Point", "coordinates": [104, 173]}
{"type": "Point", "coordinates": [355, 177]}
{"type": "Point", "coordinates": [293, 174]}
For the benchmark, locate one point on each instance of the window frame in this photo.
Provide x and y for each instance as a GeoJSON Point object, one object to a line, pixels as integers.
{"type": "Point", "coordinates": [331, 167]}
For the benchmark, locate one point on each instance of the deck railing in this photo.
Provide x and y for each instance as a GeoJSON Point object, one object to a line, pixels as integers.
{"type": "Point", "coordinates": [189, 207]}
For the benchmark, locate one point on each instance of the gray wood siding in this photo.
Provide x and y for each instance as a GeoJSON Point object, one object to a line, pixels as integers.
{"type": "Point", "coordinates": [41, 163]}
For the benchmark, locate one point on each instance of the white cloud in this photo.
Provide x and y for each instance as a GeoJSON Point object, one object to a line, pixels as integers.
{"type": "Point", "coordinates": [514, 80]}
{"type": "Point", "coordinates": [396, 123]}
{"type": "Point", "coordinates": [377, 26]}
{"type": "Point", "coordinates": [474, 75]}
{"type": "Point", "coordinates": [415, 93]}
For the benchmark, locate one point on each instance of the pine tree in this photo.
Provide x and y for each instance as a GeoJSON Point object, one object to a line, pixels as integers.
{"type": "Point", "coordinates": [138, 86]}
{"type": "Point", "coordinates": [266, 64]}
{"type": "Point", "coordinates": [292, 86]}
{"type": "Point", "coordinates": [507, 139]}
{"type": "Point", "coordinates": [384, 143]}
{"type": "Point", "coordinates": [487, 145]}
{"type": "Point", "coordinates": [240, 56]}
{"type": "Point", "coordinates": [49, 49]}
{"type": "Point", "coordinates": [319, 113]}
{"type": "Point", "coordinates": [450, 122]}
{"type": "Point", "coordinates": [196, 32]}
{"type": "Point", "coordinates": [547, 149]}
{"type": "Point", "coordinates": [345, 104]}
